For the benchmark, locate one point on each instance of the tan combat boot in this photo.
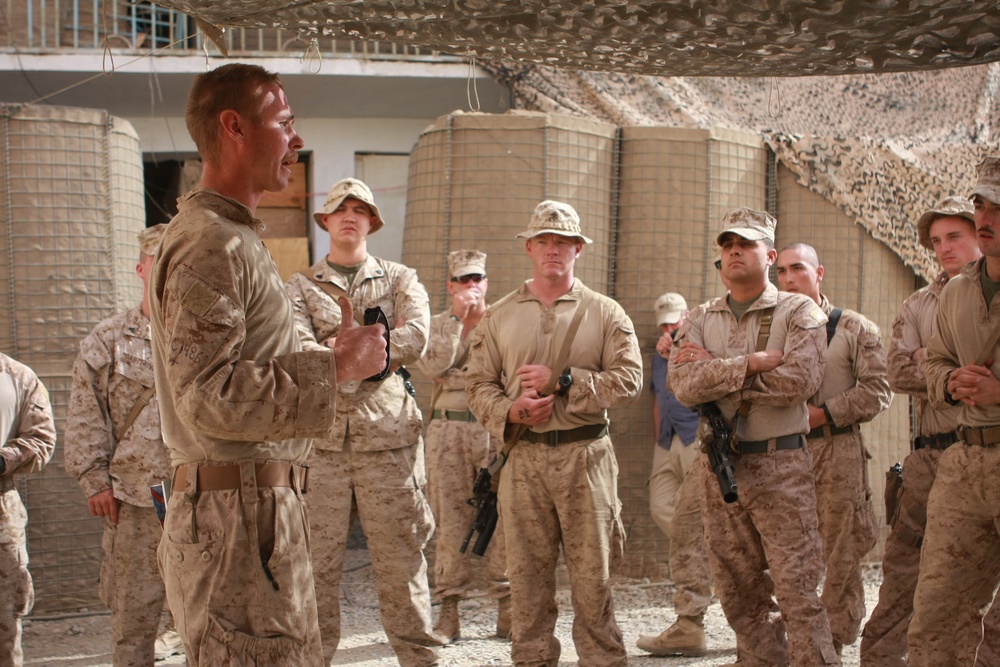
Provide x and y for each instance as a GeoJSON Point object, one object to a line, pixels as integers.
{"type": "Point", "coordinates": [686, 637]}
{"type": "Point", "coordinates": [503, 618]}
{"type": "Point", "coordinates": [448, 625]}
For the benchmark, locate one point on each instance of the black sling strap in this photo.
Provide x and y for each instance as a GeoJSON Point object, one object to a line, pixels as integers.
{"type": "Point", "coordinates": [831, 323]}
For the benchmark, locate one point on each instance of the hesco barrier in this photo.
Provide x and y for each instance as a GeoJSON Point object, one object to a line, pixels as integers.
{"type": "Point", "coordinates": [652, 198]}
{"type": "Point", "coordinates": [71, 204]}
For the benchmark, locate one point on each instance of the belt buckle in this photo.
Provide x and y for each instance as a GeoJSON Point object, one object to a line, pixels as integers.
{"type": "Point", "coordinates": [552, 438]}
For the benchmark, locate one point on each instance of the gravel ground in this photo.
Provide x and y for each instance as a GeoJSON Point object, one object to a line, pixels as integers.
{"type": "Point", "coordinates": [642, 607]}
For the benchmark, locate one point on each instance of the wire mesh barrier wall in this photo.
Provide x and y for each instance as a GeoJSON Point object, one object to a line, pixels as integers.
{"type": "Point", "coordinates": [675, 185]}
{"type": "Point", "coordinates": [72, 204]}
{"type": "Point", "coordinates": [864, 275]}
{"type": "Point", "coordinates": [475, 178]}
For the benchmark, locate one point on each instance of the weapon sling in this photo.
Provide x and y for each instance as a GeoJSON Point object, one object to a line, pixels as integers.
{"type": "Point", "coordinates": [767, 316]}
{"type": "Point", "coordinates": [140, 402]}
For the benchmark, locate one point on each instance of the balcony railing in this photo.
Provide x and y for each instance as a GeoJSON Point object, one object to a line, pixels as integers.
{"type": "Point", "coordinates": [46, 26]}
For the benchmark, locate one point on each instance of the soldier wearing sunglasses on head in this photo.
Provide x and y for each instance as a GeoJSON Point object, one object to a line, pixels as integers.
{"type": "Point", "coordinates": [372, 464]}
{"type": "Point", "coordinates": [458, 446]}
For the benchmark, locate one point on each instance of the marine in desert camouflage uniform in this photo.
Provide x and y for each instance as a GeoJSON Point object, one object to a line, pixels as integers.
{"type": "Point", "coordinates": [239, 399]}
{"type": "Point", "coordinates": [854, 391]}
{"type": "Point", "coordinates": [113, 446]}
{"type": "Point", "coordinates": [458, 447]}
{"type": "Point", "coordinates": [960, 561]}
{"type": "Point", "coordinates": [948, 230]}
{"type": "Point", "coordinates": [373, 459]}
{"type": "Point", "coordinates": [27, 440]}
{"type": "Point", "coordinates": [559, 486]}
{"type": "Point", "coordinates": [768, 542]}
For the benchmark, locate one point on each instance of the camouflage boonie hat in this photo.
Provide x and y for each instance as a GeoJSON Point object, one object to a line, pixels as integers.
{"type": "Point", "coordinates": [946, 208]}
{"type": "Point", "coordinates": [554, 217]}
{"type": "Point", "coordinates": [341, 190]}
{"type": "Point", "coordinates": [149, 239]}
{"type": "Point", "coordinates": [748, 223]}
{"type": "Point", "coordinates": [670, 307]}
{"type": "Point", "coordinates": [465, 262]}
{"type": "Point", "coordinates": [988, 185]}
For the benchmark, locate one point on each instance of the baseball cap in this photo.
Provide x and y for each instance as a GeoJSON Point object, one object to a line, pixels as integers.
{"type": "Point", "coordinates": [670, 307]}
{"type": "Point", "coordinates": [341, 190]}
{"type": "Point", "coordinates": [748, 223]}
{"type": "Point", "coordinates": [465, 262]}
{"type": "Point", "coordinates": [554, 217]}
{"type": "Point", "coordinates": [150, 237]}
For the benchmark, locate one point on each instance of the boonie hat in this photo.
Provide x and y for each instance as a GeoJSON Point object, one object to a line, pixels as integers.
{"type": "Point", "coordinates": [554, 217]}
{"type": "Point", "coordinates": [670, 307]}
{"type": "Point", "coordinates": [748, 223]}
{"type": "Point", "coordinates": [988, 184]}
{"type": "Point", "coordinates": [341, 190]}
{"type": "Point", "coordinates": [946, 208]}
{"type": "Point", "coordinates": [465, 262]}
{"type": "Point", "coordinates": [150, 237]}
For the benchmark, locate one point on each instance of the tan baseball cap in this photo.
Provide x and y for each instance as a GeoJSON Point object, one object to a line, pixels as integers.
{"type": "Point", "coordinates": [149, 239]}
{"type": "Point", "coordinates": [946, 208]}
{"type": "Point", "coordinates": [748, 223]}
{"type": "Point", "coordinates": [554, 217]}
{"type": "Point", "coordinates": [988, 184]}
{"type": "Point", "coordinates": [341, 190]}
{"type": "Point", "coordinates": [465, 262]}
{"type": "Point", "coordinates": [670, 308]}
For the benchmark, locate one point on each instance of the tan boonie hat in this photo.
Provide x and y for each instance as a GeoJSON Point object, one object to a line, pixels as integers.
{"type": "Point", "coordinates": [149, 239]}
{"type": "Point", "coordinates": [670, 307]}
{"type": "Point", "coordinates": [465, 262]}
{"type": "Point", "coordinates": [988, 184]}
{"type": "Point", "coordinates": [341, 190]}
{"type": "Point", "coordinates": [748, 223]}
{"type": "Point", "coordinates": [946, 208]}
{"type": "Point", "coordinates": [554, 217]}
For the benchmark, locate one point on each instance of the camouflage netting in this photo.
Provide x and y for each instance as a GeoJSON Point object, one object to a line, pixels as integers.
{"type": "Point", "coordinates": [881, 148]}
{"type": "Point", "coordinates": [678, 37]}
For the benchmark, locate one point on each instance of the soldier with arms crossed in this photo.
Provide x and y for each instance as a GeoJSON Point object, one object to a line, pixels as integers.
{"type": "Point", "coordinates": [768, 541]}
{"type": "Point", "coordinates": [960, 562]}
{"type": "Point", "coordinates": [949, 230]}
{"type": "Point", "coordinates": [371, 464]}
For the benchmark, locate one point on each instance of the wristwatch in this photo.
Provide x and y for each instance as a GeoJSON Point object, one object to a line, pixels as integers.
{"type": "Point", "coordinates": [565, 382]}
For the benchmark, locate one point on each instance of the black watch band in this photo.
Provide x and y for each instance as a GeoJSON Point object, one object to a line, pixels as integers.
{"type": "Point", "coordinates": [565, 382]}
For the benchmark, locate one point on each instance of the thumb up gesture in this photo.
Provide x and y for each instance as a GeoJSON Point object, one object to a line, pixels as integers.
{"type": "Point", "coordinates": [359, 351]}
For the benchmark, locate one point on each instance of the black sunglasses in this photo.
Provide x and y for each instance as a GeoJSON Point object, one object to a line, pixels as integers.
{"type": "Point", "coordinates": [474, 277]}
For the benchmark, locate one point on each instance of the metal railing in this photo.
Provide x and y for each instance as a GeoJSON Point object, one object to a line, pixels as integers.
{"type": "Point", "coordinates": [45, 26]}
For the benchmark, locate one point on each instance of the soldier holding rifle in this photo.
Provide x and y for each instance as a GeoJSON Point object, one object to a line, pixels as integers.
{"type": "Point", "coordinates": [759, 354]}
{"type": "Point", "coordinates": [559, 485]}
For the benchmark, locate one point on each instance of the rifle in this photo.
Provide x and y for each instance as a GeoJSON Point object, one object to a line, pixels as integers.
{"type": "Point", "coordinates": [717, 446]}
{"type": "Point", "coordinates": [485, 522]}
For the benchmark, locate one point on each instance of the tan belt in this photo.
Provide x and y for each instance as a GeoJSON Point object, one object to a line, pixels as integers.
{"type": "Point", "coordinates": [454, 415]}
{"type": "Point", "coordinates": [828, 431]}
{"type": "Point", "coordinates": [983, 436]}
{"type": "Point", "coordinates": [222, 476]}
{"type": "Point", "coordinates": [781, 443]}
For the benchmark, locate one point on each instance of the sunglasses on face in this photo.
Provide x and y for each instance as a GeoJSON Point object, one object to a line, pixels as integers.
{"type": "Point", "coordinates": [474, 277]}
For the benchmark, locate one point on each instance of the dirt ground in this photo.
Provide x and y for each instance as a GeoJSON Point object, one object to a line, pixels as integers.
{"type": "Point", "coordinates": [642, 607]}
